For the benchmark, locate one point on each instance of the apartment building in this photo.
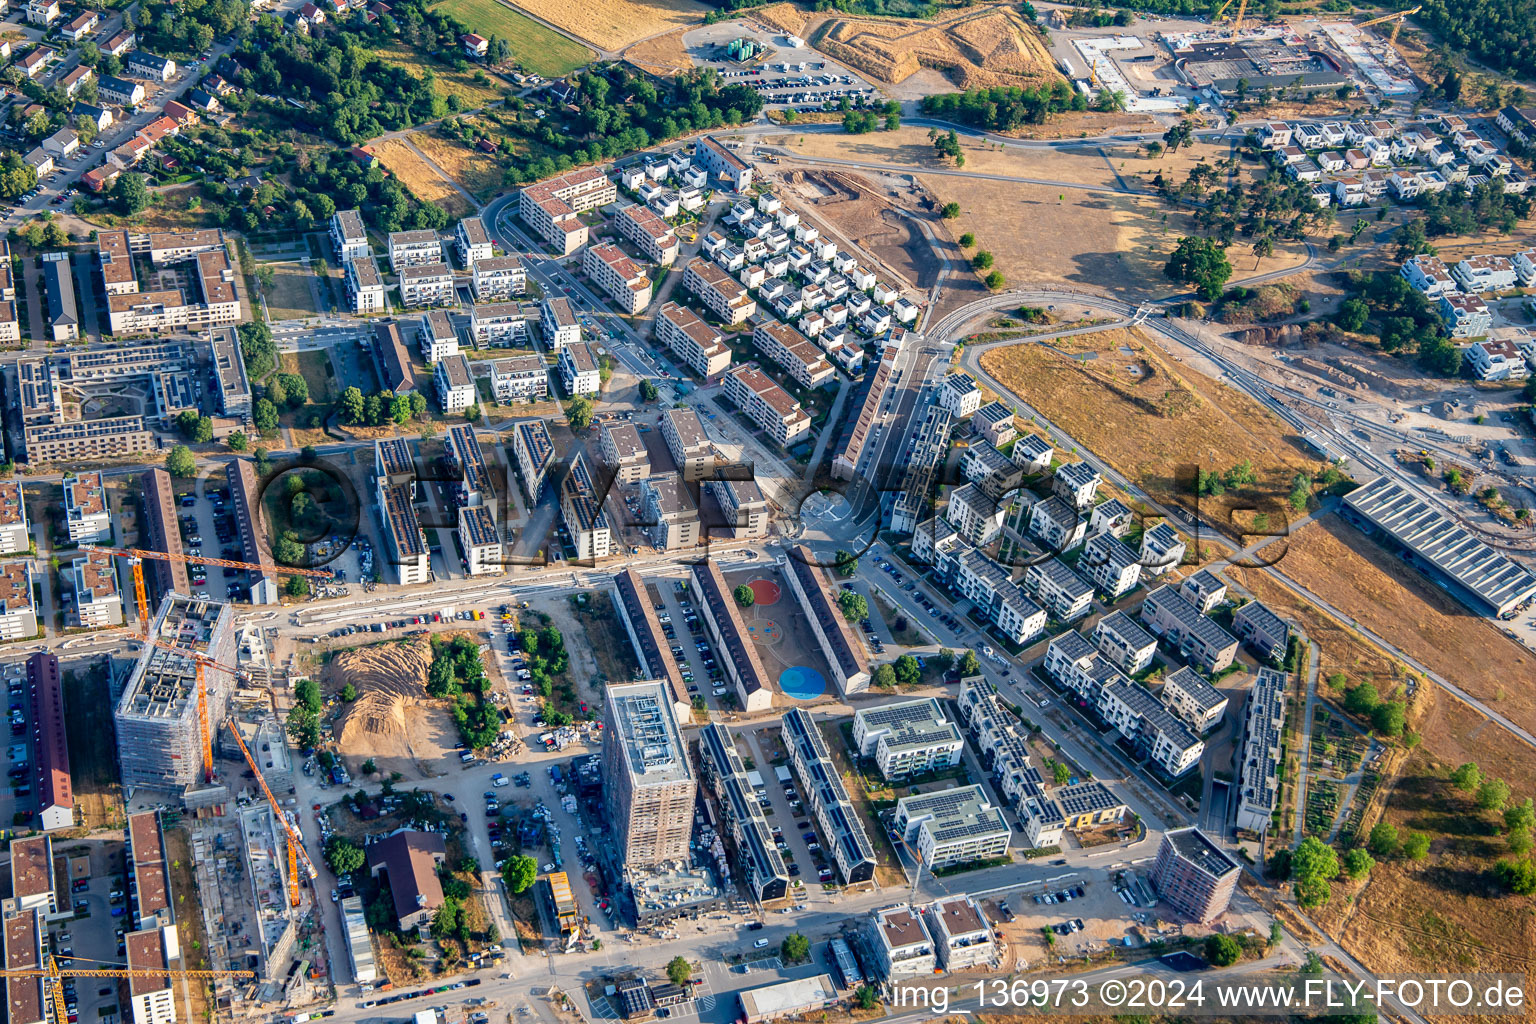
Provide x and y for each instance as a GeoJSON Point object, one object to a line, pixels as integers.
{"type": "Point", "coordinates": [1496, 359]}
{"type": "Point", "coordinates": [1111, 566]}
{"type": "Point", "coordinates": [1128, 647]}
{"type": "Point", "coordinates": [720, 293]}
{"type": "Point", "coordinates": [1196, 702]}
{"type": "Point", "coordinates": [1205, 590]}
{"type": "Point", "coordinates": [624, 451]}
{"type": "Point", "coordinates": [822, 785]}
{"type": "Point", "coordinates": [1076, 483]}
{"type": "Point", "coordinates": [769, 406]}
{"type": "Point", "coordinates": [1112, 517]}
{"type": "Point", "coordinates": [1161, 549]}
{"type": "Point", "coordinates": [649, 640]}
{"type": "Point", "coordinates": [436, 337]}
{"type": "Point", "coordinates": [472, 241]}
{"type": "Point", "coordinates": [621, 278]}
{"type": "Point", "coordinates": [503, 324]}
{"type": "Point", "coordinates": [579, 371]}
{"type": "Point", "coordinates": [481, 541]}
{"type": "Point", "coordinates": [728, 168]}
{"type": "Point", "coordinates": [742, 506]}
{"type": "Point", "coordinates": [559, 322]}
{"type": "Point", "coordinates": [1149, 726]}
{"type": "Point", "coordinates": [1485, 273]}
{"type": "Point", "coordinates": [724, 771]}
{"type": "Point", "coordinates": [365, 286]}
{"type": "Point", "coordinates": [1263, 726]}
{"type": "Point", "coordinates": [1032, 454]}
{"type": "Point", "coordinates": [1265, 633]}
{"type": "Point", "coordinates": [396, 371]}
{"type": "Point", "coordinates": [217, 302]}
{"type": "Point", "coordinates": [693, 342]}
{"type": "Point", "coordinates": [534, 452]}
{"type": "Point", "coordinates": [671, 519]}
{"type": "Point", "coordinates": [953, 826]}
{"type": "Point", "coordinates": [15, 530]}
{"type": "Point", "coordinates": [414, 249]}
{"type": "Point", "coordinates": [961, 934]}
{"type": "Point", "coordinates": [455, 384]}
{"type": "Point", "coordinates": [858, 438]}
{"type": "Point", "coordinates": [521, 378]}
{"type": "Point", "coordinates": [834, 634]}
{"type": "Point", "coordinates": [901, 944]}
{"type": "Point", "coordinates": [86, 514]}
{"type": "Point", "coordinates": [18, 614]}
{"type": "Point", "coordinates": [349, 238]}
{"type": "Point", "coordinates": [1065, 594]}
{"type": "Point", "coordinates": [988, 585]}
{"type": "Point", "coordinates": [976, 518]}
{"type": "Point", "coordinates": [801, 359]}
{"type": "Point", "coordinates": [427, 284]}
{"type": "Point", "coordinates": [95, 600]}
{"type": "Point", "coordinates": [581, 509]}
{"type": "Point", "coordinates": [989, 469]}
{"type": "Point", "coordinates": [50, 741]}
{"type": "Point", "coordinates": [1194, 875]}
{"type": "Point", "coordinates": [728, 633]}
{"type": "Point", "coordinates": [650, 234]}
{"type": "Point", "coordinates": [59, 289]}
{"type": "Point", "coordinates": [405, 542]}
{"type": "Point", "coordinates": [1198, 637]}
{"type": "Point", "coordinates": [994, 421]}
{"type": "Point", "coordinates": [1465, 316]}
{"type": "Point", "coordinates": [151, 996]}
{"type": "Point", "coordinates": [960, 395]}
{"type": "Point", "coordinates": [1057, 523]}
{"type": "Point", "coordinates": [498, 278]}
{"type": "Point", "coordinates": [907, 738]}
{"type": "Point", "coordinates": [689, 445]}
{"type": "Point", "coordinates": [648, 781]}
{"type": "Point", "coordinates": [552, 207]}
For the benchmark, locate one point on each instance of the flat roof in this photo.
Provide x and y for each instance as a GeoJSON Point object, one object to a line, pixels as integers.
{"type": "Point", "coordinates": [146, 952]}
{"type": "Point", "coordinates": [787, 997]}
{"type": "Point", "coordinates": [1193, 846]}
{"type": "Point", "coordinates": [650, 742]}
{"type": "Point", "coordinates": [23, 951]}
{"type": "Point", "coordinates": [31, 866]}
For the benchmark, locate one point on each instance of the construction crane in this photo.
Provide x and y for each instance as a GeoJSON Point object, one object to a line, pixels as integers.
{"type": "Point", "coordinates": [136, 558]}
{"type": "Point", "coordinates": [1237, 23]}
{"type": "Point", "coordinates": [53, 974]}
{"type": "Point", "coordinates": [205, 730]}
{"type": "Point", "coordinates": [1397, 19]}
{"type": "Point", "coordinates": [296, 851]}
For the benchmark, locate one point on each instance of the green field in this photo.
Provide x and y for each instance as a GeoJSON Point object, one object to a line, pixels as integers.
{"type": "Point", "coordinates": [538, 49]}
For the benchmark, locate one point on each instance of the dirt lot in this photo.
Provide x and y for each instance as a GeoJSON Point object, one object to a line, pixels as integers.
{"type": "Point", "coordinates": [477, 171]}
{"type": "Point", "coordinates": [1362, 580]}
{"type": "Point", "coordinates": [910, 147]}
{"type": "Point", "coordinates": [662, 55]}
{"type": "Point", "coordinates": [852, 206]}
{"type": "Point", "coordinates": [189, 917]}
{"type": "Point", "coordinates": [615, 24]}
{"type": "Point", "coordinates": [290, 297]}
{"type": "Point", "coordinates": [992, 46]}
{"type": "Point", "coordinates": [1150, 418]}
{"type": "Point", "coordinates": [414, 172]}
{"type": "Point", "coordinates": [92, 763]}
{"type": "Point", "coordinates": [393, 720]}
{"type": "Point", "coordinates": [606, 637]}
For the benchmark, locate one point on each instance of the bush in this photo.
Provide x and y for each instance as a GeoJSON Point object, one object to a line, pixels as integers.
{"type": "Point", "coordinates": [795, 948]}
{"type": "Point", "coordinates": [1222, 950]}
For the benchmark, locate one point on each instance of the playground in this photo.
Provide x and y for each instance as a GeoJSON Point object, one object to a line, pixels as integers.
{"type": "Point", "coordinates": [785, 642]}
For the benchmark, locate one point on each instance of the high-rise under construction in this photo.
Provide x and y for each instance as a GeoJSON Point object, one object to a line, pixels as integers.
{"type": "Point", "coordinates": [159, 734]}
{"type": "Point", "coordinates": [648, 784]}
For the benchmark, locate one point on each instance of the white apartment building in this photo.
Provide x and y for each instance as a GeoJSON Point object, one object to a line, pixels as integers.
{"type": "Point", "coordinates": [901, 943]}
{"type": "Point", "coordinates": [621, 278]}
{"type": "Point", "coordinates": [85, 509]}
{"type": "Point", "coordinates": [96, 599]}
{"type": "Point", "coordinates": [365, 286]}
{"type": "Point", "coordinates": [349, 237]}
{"type": "Point", "coordinates": [953, 826]}
{"type": "Point", "coordinates": [481, 541]}
{"type": "Point", "coordinates": [793, 351]}
{"type": "Point", "coordinates": [502, 324]}
{"type": "Point", "coordinates": [672, 519]}
{"type": "Point", "coordinates": [581, 509]}
{"type": "Point", "coordinates": [1496, 359]}
{"type": "Point", "coordinates": [498, 278]}
{"type": "Point", "coordinates": [427, 284]}
{"type": "Point", "coordinates": [650, 234]}
{"type": "Point", "coordinates": [693, 342]}
{"type": "Point", "coordinates": [520, 378]}
{"type": "Point", "coordinates": [767, 405]}
{"type": "Point", "coordinates": [414, 249]}
{"type": "Point", "coordinates": [1076, 483]}
{"type": "Point", "coordinates": [907, 738]}
{"type": "Point", "coordinates": [552, 207]}
{"type": "Point", "coordinates": [1057, 523]}
{"type": "Point", "coordinates": [721, 293]}
{"type": "Point", "coordinates": [455, 383]}
{"type": "Point", "coordinates": [624, 452]}
{"type": "Point", "coordinates": [1465, 316]}
{"type": "Point", "coordinates": [975, 516]}
{"type": "Point", "coordinates": [1032, 454]}
{"type": "Point", "coordinates": [1064, 593]}
{"type": "Point", "coordinates": [1485, 273]}
{"type": "Point", "coordinates": [690, 447]}
{"type": "Point", "coordinates": [1430, 275]}
{"type": "Point", "coordinates": [559, 323]}
{"type": "Point", "coordinates": [1128, 647]}
{"type": "Point", "coordinates": [1111, 566]}
{"type": "Point", "coordinates": [436, 337]}
{"type": "Point", "coordinates": [1161, 549]}
{"type": "Point", "coordinates": [961, 934]}
{"type": "Point", "coordinates": [960, 395]}
{"type": "Point", "coordinates": [579, 370]}
{"type": "Point", "coordinates": [1197, 703]}
{"type": "Point", "coordinates": [472, 241]}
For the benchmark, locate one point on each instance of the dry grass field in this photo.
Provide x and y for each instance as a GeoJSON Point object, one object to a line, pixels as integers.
{"type": "Point", "coordinates": [661, 55]}
{"type": "Point", "coordinates": [615, 24]}
{"type": "Point", "coordinates": [975, 48]}
{"type": "Point", "coordinates": [1362, 580]}
{"type": "Point", "coordinates": [290, 298]}
{"type": "Point", "coordinates": [415, 173]}
{"type": "Point", "coordinates": [1152, 419]}
{"type": "Point", "coordinates": [476, 171]}
{"type": "Point", "coordinates": [473, 88]}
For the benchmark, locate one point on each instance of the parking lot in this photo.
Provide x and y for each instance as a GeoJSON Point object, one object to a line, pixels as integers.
{"type": "Point", "coordinates": [97, 873]}
{"type": "Point", "coordinates": [786, 75]}
{"type": "Point", "coordinates": [793, 825]}
{"type": "Point", "coordinates": [19, 798]}
{"type": "Point", "coordinates": [684, 628]}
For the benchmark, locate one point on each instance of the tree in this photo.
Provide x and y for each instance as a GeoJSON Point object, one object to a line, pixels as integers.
{"type": "Point", "coordinates": [580, 412]}
{"type": "Point", "coordinates": [518, 872]}
{"type": "Point", "coordinates": [1352, 315]}
{"type": "Point", "coordinates": [1313, 866]}
{"type": "Point", "coordinates": [343, 857]}
{"type": "Point", "coordinates": [304, 727]}
{"type": "Point", "coordinates": [349, 693]}
{"type": "Point", "coordinates": [1383, 841]}
{"type": "Point", "coordinates": [855, 607]}
{"type": "Point", "coordinates": [236, 441]}
{"type": "Point", "coordinates": [866, 997]}
{"type": "Point", "coordinates": [744, 596]}
{"type": "Point", "coordinates": [970, 665]}
{"type": "Point", "coordinates": [1520, 817]}
{"type": "Point", "coordinates": [679, 970]}
{"type": "Point", "coordinates": [967, 240]}
{"type": "Point", "coordinates": [1361, 699]}
{"type": "Point", "coordinates": [352, 405]}
{"type": "Point", "coordinates": [1388, 718]}
{"type": "Point", "coordinates": [950, 211]}
{"type": "Point", "coordinates": [179, 462]}
{"type": "Point", "coordinates": [995, 280]}
{"type": "Point", "coordinates": [369, 768]}
{"type": "Point", "coordinates": [1492, 795]}
{"type": "Point", "coordinates": [908, 671]}
{"type": "Point", "coordinates": [982, 260]}
{"type": "Point", "coordinates": [307, 693]}
{"type": "Point", "coordinates": [648, 390]}
{"type": "Point", "coordinates": [1518, 876]}
{"type": "Point", "coordinates": [1416, 846]}
{"type": "Point", "coordinates": [1201, 262]}
{"type": "Point", "coordinates": [265, 416]}
{"type": "Point", "coordinates": [1358, 863]}
{"type": "Point", "coordinates": [795, 948]}
{"type": "Point", "coordinates": [1467, 777]}
{"type": "Point", "coordinates": [131, 193]}
{"type": "Point", "coordinates": [297, 586]}
{"type": "Point", "coordinates": [884, 677]}
{"type": "Point", "coordinates": [847, 563]}
{"type": "Point", "coordinates": [1222, 950]}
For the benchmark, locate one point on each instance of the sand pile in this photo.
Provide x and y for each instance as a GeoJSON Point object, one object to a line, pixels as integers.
{"type": "Point", "coordinates": [974, 48]}
{"type": "Point", "coordinates": [390, 680]}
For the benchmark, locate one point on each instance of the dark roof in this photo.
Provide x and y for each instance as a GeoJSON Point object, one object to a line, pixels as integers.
{"type": "Point", "coordinates": [394, 361]}
{"type": "Point", "coordinates": [52, 747]}
{"type": "Point", "coordinates": [411, 858]}
{"type": "Point", "coordinates": [821, 606]}
{"type": "Point", "coordinates": [60, 285]}
{"type": "Point", "coordinates": [655, 655]}
{"type": "Point", "coordinates": [715, 595]}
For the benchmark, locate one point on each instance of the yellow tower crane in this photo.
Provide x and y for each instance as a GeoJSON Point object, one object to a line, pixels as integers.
{"type": "Point", "coordinates": [53, 973]}
{"type": "Point", "coordinates": [296, 851]}
{"type": "Point", "coordinates": [1397, 18]}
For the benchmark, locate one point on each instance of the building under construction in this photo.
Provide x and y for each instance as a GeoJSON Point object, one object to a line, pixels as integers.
{"type": "Point", "coordinates": [649, 785]}
{"type": "Point", "coordinates": [1253, 65]}
{"type": "Point", "coordinates": [265, 849]}
{"type": "Point", "coordinates": [159, 731]}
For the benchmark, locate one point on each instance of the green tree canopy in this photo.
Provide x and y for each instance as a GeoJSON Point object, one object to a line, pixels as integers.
{"type": "Point", "coordinates": [1222, 950]}
{"type": "Point", "coordinates": [519, 872]}
{"type": "Point", "coordinates": [853, 604]}
{"type": "Point", "coordinates": [795, 948]}
{"type": "Point", "coordinates": [1201, 262]}
{"type": "Point", "coordinates": [1358, 863]}
{"type": "Point", "coordinates": [744, 596]}
{"type": "Point", "coordinates": [1314, 864]}
{"type": "Point", "coordinates": [179, 462]}
{"type": "Point", "coordinates": [679, 970]}
{"type": "Point", "coordinates": [343, 857]}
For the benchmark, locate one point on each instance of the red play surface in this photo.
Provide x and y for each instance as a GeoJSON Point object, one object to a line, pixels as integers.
{"type": "Point", "coordinates": [764, 592]}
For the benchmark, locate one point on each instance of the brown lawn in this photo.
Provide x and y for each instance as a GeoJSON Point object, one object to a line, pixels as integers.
{"type": "Point", "coordinates": [418, 176]}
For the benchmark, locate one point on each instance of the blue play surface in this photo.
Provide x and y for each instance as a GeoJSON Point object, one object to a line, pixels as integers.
{"type": "Point", "coordinates": [802, 683]}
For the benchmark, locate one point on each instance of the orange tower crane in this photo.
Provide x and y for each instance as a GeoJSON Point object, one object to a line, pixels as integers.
{"type": "Point", "coordinates": [296, 851]}
{"type": "Point", "coordinates": [53, 973]}
{"type": "Point", "coordinates": [136, 558]}
{"type": "Point", "coordinates": [205, 729]}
